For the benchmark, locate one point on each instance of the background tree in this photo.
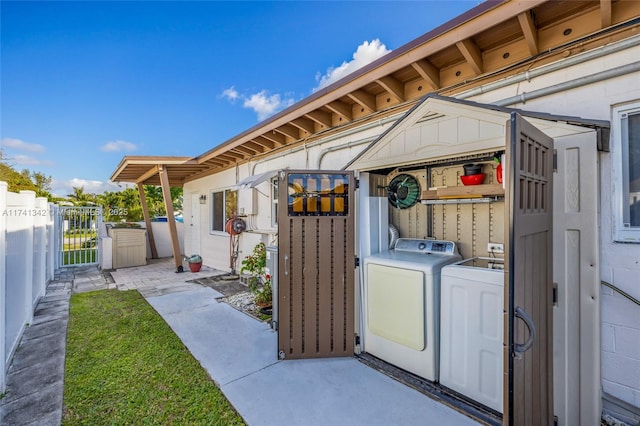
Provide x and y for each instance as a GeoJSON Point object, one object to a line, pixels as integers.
{"type": "Point", "coordinates": [81, 198]}
{"type": "Point", "coordinates": [125, 205]}
{"type": "Point", "coordinates": [25, 180]}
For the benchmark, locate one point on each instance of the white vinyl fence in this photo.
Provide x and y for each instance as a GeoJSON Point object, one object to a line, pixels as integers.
{"type": "Point", "coordinates": [27, 263]}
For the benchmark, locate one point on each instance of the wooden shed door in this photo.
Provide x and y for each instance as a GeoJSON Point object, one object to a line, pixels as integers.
{"type": "Point", "coordinates": [528, 353]}
{"type": "Point", "coordinates": [316, 264]}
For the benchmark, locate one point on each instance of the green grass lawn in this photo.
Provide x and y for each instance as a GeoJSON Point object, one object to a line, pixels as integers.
{"type": "Point", "coordinates": [72, 257]}
{"type": "Point", "coordinates": [124, 365]}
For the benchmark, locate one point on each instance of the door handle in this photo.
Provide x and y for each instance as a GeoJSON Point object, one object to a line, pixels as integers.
{"type": "Point", "coordinates": [519, 349]}
{"type": "Point", "coordinates": [286, 270]}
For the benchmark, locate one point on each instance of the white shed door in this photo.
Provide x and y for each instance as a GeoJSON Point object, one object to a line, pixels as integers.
{"type": "Point", "coordinates": [576, 317]}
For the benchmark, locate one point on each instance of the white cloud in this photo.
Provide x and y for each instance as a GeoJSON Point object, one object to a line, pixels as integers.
{"type": "Point", "coordinates": [262, 103]}
{"type": "Point", "coordinates": [117, 146]}
{"type": "Point", "coordinates": [266, 105]}
{"type": "Point", "coordinates": [21, 145]}
{"type": "Point", "coordinates": [62, 188]}
{"type": "Point", "coordinates": [366, 53]}
{"type": "Point", "coordinates": [26, 160]}
{"type": "Point", "coordinates": [231, 93]}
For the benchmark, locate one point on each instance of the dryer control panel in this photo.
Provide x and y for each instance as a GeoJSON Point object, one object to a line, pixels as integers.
{"type": "Point", "coordinates": [416, 245]}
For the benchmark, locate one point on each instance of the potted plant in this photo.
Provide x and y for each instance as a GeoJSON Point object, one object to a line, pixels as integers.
{"type": "Point", "coordinates": [195, 262]}
{"type": "Point", "coordinates": [259, 282]}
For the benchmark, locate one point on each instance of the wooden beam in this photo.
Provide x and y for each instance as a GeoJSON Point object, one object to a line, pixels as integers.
{"type": "Point", "coordinates": [304, 124]}
{"type": "Point", "coordinates": [149, 173]}
{"type": "Point", "coordinates": [605, 13]}
{"type": "Point", "coordinates": [231, 153]}
{"type": "Point", "coordinates": [472, 54]}
{"type": "Point", "coordinates": [266, 143]}
{"type": "Point", "coordinates": [239, 151]}
{"type": "Point", "coordinates": [247, 150]}
{"type": "Point", "coordinates": [341, 108]}
{"type": "Point", "coordinates": [255, 146]}
{"type": "Point", "coordinates": [428, 72]}
{"type": "Point", "coordinates": [230, 159]}
{"type": "Point", "coordinates": [364, 99]}
{"type": "Point", "coordinates": [393, 86]}
{"type": "Point", "coordinates": [216, 162]}
{"type": "Point", "coordinates": [147, 220]}
{"type": "Point", "coordinates": [289, 130]}
{"type": "Point", "coordinates": [277, 138]}
{"type": "Point", "coordinates": [529, 31]}
{"type": "Point", "coordinates": [168, 205]}
{"type": "Point", "coordinates": [320, 117]}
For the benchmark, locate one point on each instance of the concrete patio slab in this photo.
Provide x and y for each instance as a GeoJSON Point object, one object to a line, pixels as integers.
{"type": "Point", "coordinates": [338, 391]}
{"type": "Point", "coordinates": [239, 352]}
{"type": "Point", "coordinates": [228, 343]}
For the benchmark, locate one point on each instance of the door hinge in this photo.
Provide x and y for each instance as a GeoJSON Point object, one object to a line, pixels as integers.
{"type": "Point", "coordinates": [555, 160]}
{"type": "Point", "coordinates": [357, 262]}
{"type": "Point", "coordinates": [357, 340]}
{"type": "Point", "coordinates": [555, 294]}
{"type": "Point", "coordinates": [357, 183]}
{"type": "Point", "coordinates": [555, 420]}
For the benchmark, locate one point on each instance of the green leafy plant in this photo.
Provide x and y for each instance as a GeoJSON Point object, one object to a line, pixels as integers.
{"type": "Point", "coordinates": [259, 282]}
{"type": "Point", "coordinates": [263, 295]}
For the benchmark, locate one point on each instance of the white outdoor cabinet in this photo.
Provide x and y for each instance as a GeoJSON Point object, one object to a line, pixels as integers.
{"type": "Point", "coordinates": [129, 247]}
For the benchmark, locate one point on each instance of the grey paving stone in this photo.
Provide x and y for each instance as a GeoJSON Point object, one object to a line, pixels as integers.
{"type": "Point", "coordinates": [28, 381]}
{"type": "Point", "coordinates": [37, 350]}
{"type": "Point", "coordinates": [54, 316]}
{"type": "Point", "coordinates": [51, 310]}
{"type": "Point", "coordinates": [47, 403]}
{"type": "Point", "coordinates": [47, 302]}
{"type": "Point", "coordinates": [44, 329]}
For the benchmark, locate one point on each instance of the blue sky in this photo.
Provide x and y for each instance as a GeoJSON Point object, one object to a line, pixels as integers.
{"type": "Point", "coordinates": [85, 83]}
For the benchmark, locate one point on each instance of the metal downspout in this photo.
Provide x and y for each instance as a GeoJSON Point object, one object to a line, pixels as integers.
{"type": "Point", "coordinates": [571, 84]}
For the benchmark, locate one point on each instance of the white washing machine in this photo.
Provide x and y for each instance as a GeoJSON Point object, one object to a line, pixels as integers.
{"type": "Point", "coordinates": [401, 304]}
{"type": "Point", "coordinates": [471, 332]}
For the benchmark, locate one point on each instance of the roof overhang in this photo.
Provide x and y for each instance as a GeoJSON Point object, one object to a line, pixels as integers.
{"type": "Point", "coordinates": [492, 41]}
{"type": "Point", "coordinates": [146, 170]}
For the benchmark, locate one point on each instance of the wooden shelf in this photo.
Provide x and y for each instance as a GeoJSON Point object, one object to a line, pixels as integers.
{"type": "Point", "coordinates": [464, 192]}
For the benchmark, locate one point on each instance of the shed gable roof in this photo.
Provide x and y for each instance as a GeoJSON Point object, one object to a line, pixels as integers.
{"type": "Point", "coordinates": [440, 127]}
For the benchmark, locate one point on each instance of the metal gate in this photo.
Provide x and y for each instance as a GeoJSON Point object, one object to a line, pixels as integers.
{"type": "Point", "coordinates": [316, 264]}
{"type": "Point", "coordinates": [77, 235]}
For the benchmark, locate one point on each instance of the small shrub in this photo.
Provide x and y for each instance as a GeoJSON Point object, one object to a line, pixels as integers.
{"type": "Point", "coordinates": [259, 282]}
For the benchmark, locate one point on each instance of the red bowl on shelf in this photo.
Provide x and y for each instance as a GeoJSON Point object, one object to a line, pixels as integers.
{"type": "Point", "coordinates": [472, 179]}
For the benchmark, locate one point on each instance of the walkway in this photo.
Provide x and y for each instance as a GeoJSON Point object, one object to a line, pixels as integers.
{"type": "Point", "coordinates": [238, 351]}
{"type": "Point", "coordinates": [36, 375]}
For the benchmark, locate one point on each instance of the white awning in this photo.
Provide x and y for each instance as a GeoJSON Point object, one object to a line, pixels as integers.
{"type": "Point", "coordinates": [255, 180]}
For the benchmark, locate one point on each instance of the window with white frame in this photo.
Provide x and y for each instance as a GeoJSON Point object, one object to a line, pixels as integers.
{"type": "Point", "coordinates": [224, 205]}
{"type": "Point", "coordinates": [626, 130]}
{"type": "Point", "coordinates": [274, 202]}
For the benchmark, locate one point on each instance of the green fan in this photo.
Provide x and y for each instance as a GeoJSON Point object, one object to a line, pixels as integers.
{"type": "Point", "coordinates": [403, 191]}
